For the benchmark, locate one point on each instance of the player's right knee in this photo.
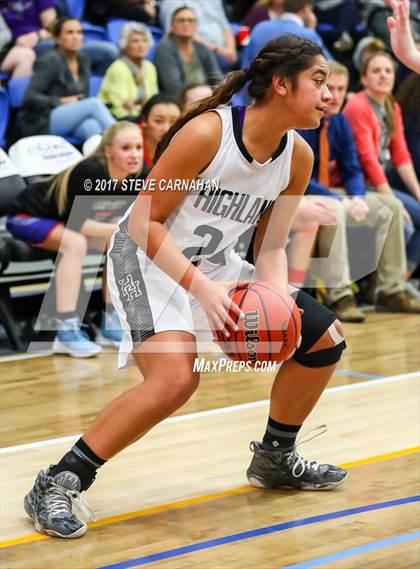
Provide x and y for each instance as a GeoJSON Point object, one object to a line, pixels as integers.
{"type": "Point", "coordinates": [179, 385]}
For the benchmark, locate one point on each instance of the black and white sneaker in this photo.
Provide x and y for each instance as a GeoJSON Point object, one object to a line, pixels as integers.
{"type": "Point", "coordinates": [49, 505]}
{"type": "Point", "coordinates": [287, 469]}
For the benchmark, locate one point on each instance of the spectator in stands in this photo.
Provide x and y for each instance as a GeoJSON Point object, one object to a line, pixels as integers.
{"type": "Point", "coordinates": [14, 59]}
{"type": "Point", "coordinates": [180, 59]}
{"type": "Point", "coordinates": [264, 10]}
{"type": "Point", "coordinates": [364, 49]}
{"type": "Point", "coordinates": [49, 215]}
{"type": "Point", "coordinates": [378, 14]}
{"type": "Point", "coordinates": [131, 80]}
{"type": "Point", "coordinates": [158, 115]}
{"type": "Point", "coordinates": [338, 177]}
{"type": "Point", "coordinates": [343, 16]}
{"type": "Point", "coordinates": [192, 94]}
{"type": "Point", "coordinates": [409, 101]}
{"type": "Point", "coordinates": [297, 18]}
{"type": "Point", "coordinates": [57, 99]}
{"type": "Point", "coordinates": [213, 28]}
{"type": "Point", "coordinates": [31, 23]}
{"type": "Point", "coordinates": [379, 135]}
{"type": "Point", "coordinates": [100, 11]}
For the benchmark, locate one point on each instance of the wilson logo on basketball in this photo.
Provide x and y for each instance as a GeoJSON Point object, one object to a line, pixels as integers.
{"type": "Point", "coordinates": [284, 329]}
{"type": "Point", "coordinates": [252, 337]}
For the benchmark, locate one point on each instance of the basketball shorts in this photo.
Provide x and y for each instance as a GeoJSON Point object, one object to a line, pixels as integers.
{"type": "Point", "coordinates": [148, 301]}
{"type": "Point", "coordinates": [34, 230]}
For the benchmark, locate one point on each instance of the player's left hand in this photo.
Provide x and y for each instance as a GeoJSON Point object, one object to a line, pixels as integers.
{"type": "Point", "coordinates": [357, 208]}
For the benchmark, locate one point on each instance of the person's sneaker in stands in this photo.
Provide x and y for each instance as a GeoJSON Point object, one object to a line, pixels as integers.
{"type": "Point", "coordinates": [72, 341]}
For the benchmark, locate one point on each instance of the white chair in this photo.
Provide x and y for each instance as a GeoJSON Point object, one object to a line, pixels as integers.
{"type": "Point", "coordinates": [91, 144]}
{"type": "Point", "coordinates": [43, 155]}
{"type": "Point", "coordinates": [7, 167]}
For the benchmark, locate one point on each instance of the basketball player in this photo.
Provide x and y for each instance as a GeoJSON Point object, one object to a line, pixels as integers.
{"type": "Point", "coordinates": [172, 258]}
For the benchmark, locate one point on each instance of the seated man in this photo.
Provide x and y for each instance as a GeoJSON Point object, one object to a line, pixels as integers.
{"type": "Point", "coordinates": [213, 28]}
{"type": "Point", "coordinates": [298, 19]}
{"type": "Point", "coordinates": [333, 145]}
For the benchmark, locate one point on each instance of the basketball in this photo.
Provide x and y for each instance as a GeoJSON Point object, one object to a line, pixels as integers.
{"type": "Point", "coordinates": [270, 329]}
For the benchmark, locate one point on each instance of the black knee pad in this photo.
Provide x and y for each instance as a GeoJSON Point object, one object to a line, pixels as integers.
{"type": "Point", "coordinates": [321, 358]}
{"type": "Point", "coordinates": [316, 319]}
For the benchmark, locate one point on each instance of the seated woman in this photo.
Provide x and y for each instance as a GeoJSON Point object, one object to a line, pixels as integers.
{"type": "Point", "coordinates": [131, 80]}
{"type": "Point", "coordinates": [159, 114]}
{"type": "Point", "coordinates": [57, 99]}
{"type": "Point", "coordinates": [181, 60]}
{"type": "Point", "coordinates": [379, 135]}
{"type": "Point", "coordinates": [192, 94]}
{"type": "Point", "coordinates": [14, 59]}
{"type": "Point", "coordinates": [264, 10]}
{"type": "Point", "coordinates": [49, 215]}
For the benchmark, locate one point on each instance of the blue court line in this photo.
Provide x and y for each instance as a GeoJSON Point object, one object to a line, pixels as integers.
{"type": "Point", "coordinates": [168, 554]}
{"type": "Point", "coordinates": [366, 548]}
{"type": "Point", "coordinates": [357, 374]}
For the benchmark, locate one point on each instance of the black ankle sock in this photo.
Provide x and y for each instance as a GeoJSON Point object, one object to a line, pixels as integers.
{"type": "Point", "coordinates": [279, 436]}
{"type": "Point", "coordinates": [80, 460]}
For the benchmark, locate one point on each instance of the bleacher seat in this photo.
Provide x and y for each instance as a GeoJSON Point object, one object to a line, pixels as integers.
{"type": "Point", "coordinates": [13, 250]}
{"type": "Point", "coordinates": [16, 88]}
{"type": "Point", "coordinates": [76, 8]}
{"type": "Point", "coordinates": [4, 115]}
{"type": "Point", "coordinates": [95, 84]}
{"type": "Point", "coordinates": [14, 184]}
{"type": "Point", "coordinates": [92, 32]}
{"type": "Point", "coordinates": [43, 155]}
{"type": "Point", "coordinates": [91, 144]}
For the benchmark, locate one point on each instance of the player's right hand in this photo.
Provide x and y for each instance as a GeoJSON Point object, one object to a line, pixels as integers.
{"type": "Point", "coordinates": [216, 302]}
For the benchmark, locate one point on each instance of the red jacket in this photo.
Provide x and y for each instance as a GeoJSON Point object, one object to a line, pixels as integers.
{"type": "Point", "coordinates": [367, 131]}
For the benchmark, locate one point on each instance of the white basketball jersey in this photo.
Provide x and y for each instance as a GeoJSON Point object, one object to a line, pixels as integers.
{"type": "Point", "coordinates": [231, 194]}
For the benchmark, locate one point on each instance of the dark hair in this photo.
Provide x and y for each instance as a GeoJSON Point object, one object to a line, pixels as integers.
{"type": "Point", "coordinates": [286, 56]}
{"type": "Point", "coordinates": [58, 25]}
{"type": "Point", "coordinates": [408, 94]}
{"type": "Point", "coordinates": [182, 95]}
{"type": "Point", "coordinates": [180, 9]}
{"type": "Point", "coordinates": [159, 99]}
{"type": "Point", "coordinates": [295, 6]}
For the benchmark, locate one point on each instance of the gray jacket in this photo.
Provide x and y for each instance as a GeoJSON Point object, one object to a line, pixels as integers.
{"type": "Point", "coordinates": [51, 80]}
{"type": "Point", "coordinates": [170, 66]}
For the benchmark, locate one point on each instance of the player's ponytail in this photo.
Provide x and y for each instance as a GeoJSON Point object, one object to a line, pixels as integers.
{"type": "Point", "coordinates": [286, 55]}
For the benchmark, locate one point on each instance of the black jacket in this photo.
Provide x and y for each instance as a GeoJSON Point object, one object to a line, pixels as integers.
{"type": "Point", "coordinates": [51, 80]}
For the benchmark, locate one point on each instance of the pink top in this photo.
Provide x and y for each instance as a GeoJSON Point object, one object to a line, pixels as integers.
{"type": "Point", "coordinates": [367, 135]}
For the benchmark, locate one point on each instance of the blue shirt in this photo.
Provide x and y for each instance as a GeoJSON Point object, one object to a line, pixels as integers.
{"type": "Point", "coordinates": [266, 31]}
{"type": "Point", "coordinates": [343, 151]}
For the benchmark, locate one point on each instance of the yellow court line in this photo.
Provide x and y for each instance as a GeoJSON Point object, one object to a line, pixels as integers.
{"type": "Point", "coordinates": [197, 500]}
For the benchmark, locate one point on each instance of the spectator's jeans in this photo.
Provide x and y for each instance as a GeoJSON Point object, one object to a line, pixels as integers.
{"type": "Point", "coordinates": [344, 17]}
{"type": "Point", "coordinates": [385, 217]}
{"type": "Point", "coordinates": [412, 231]}
{"type": "Point", "coordinates": [81, 118]}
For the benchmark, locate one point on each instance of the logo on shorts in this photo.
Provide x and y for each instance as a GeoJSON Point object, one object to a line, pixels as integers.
{"type": "Point", "coordinates": [130, 288]}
